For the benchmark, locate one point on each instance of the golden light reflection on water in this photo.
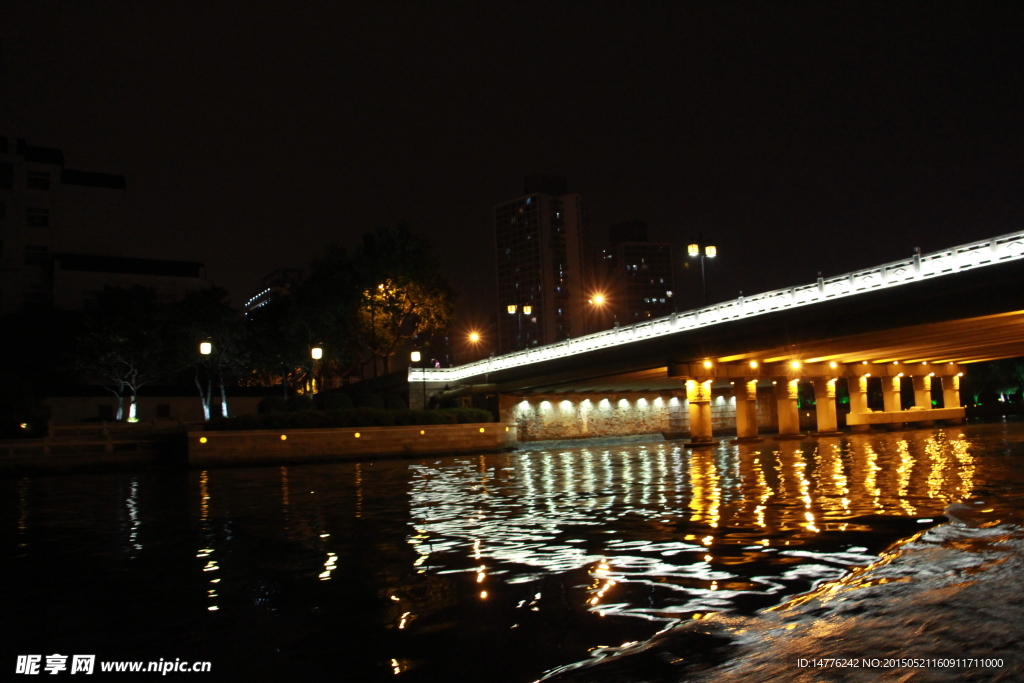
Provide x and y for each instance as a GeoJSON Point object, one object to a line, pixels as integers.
{"type": "Point", "coordinates": [359, 489]}
{"type": "Point", "coordinates": [210, 565]}
{"type": "Point", "coordinates": [683, 523]}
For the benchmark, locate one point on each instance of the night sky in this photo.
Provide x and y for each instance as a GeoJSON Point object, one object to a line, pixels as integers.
{"type": "Point", "coordinates": [797, 136]}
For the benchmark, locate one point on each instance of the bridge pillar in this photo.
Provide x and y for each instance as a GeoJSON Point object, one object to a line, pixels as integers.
{"type": "Point", "coordinates": [891, 394]}
{"type": "Point", "coordinates": [825, 404]}
{"type": "Point", "coordinates": [951, 391]}
{"type": "Point", "coordinates": [858, 387]}
{"type": "Point", "coordinates": [786, 395]}
{"type": "Point", "coordinates": [698, 393]}
{"type": "Point", "coordinates": [923, 391]}
{"type": "Point", "coordinates": [745, 392]}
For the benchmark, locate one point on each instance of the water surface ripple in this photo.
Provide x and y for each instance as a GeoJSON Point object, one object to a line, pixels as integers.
{"type": "Point", "coordinates": [491, 567]}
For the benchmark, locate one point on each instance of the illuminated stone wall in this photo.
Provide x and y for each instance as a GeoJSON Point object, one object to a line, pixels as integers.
{"type": "Point", "coordinates": [544, 417]}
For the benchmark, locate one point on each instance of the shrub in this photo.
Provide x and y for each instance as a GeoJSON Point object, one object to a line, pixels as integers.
{"type": "Point", "coordinates": [370, 401]}
{"type": "Point", "coordinates": [337, 401]}
{"type": "Point", "coordinates": [448, 416]}
{"type": "Point", "coordinates": [353, 417]}
{"type": "Point", "coordinates": [429, 417]}
{"type": "Point", "coordinates": [394, 402]}
{"type": "Point", "coordinates": [373, 417]}
{"type": "Point", "coordinates": [471, 415]}
{"type": "Point", "coordinates": [272, 404]}
{"type": "Point", "coordinates": [308, 419]}
{"type": "Point", "coordinates": [301, 403]}
{"type": "Point", "coordinates": [406, 417]}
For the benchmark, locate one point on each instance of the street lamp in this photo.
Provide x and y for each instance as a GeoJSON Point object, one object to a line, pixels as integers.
{"type": "Point", "coordinates": [704, 251]}
{"type": "Point", "coordinates": [205, 348]}
{"type": "Point", "coordinates": [598, 300]}
{"type": "Point", "coordinates": [415, 357]}
{"type": "Point", "coordinates": [512, 310]}
{"type": "Point", "coordinates": [316, 353]}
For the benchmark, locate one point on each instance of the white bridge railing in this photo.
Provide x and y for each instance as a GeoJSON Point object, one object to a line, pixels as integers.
{"type": "Point", "coordinates": [918, 267]}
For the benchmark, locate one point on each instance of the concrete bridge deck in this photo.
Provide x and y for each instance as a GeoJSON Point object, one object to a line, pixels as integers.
{"type": "Point", "coordinates": [916, 322]}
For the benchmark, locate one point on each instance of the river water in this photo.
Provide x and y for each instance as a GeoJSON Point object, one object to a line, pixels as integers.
{"type": "Point", "coordinates": [470, 568]}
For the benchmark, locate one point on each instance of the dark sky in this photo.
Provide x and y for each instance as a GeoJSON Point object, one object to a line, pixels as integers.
{"type": "Point", "coordinates": [798, 136]}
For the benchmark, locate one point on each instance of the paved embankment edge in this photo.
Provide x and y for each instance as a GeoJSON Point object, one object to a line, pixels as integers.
{"type": "Point", "coordinates": [204, 448]}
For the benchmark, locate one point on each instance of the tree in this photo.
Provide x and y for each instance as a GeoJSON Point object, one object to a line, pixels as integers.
{"type": "Point", "coordinates": [206, 315]}
{"type": "Point", "coordinates": [402, 292]}
{"type": "Point", "coordinates": [124, 345]}
{"type": "Point", "coordinates": [277, 344]}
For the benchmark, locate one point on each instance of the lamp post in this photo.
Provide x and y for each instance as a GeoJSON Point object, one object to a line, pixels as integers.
{"type": "Point", "coordinates": [703, 250]}
{"type": "Point", "coordinates": [518, 311]}
{"type": "Point", "coordinates": [415, 357]}
{"type": "Point", "coordinates": [316, 353]}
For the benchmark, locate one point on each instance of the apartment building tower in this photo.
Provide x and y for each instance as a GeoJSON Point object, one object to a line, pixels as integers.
{"type": "Point", "coordinates": [640, 274]}
{"type": "Point", "coordinates": [541, 265]}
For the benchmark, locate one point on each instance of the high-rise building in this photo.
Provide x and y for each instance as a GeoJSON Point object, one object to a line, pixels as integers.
{"type": "Point", "coordinates": [640, 275]}
{"type": "Point", "coordinates": [541, 265]}
{"type": "Point", "coordinates": [63, 235]}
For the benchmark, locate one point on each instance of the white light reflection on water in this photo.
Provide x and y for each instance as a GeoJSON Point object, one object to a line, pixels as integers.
{"type": "Point", "coordinates": [132, 503]}
{"type": "Point", "coordinates": [662, 532]}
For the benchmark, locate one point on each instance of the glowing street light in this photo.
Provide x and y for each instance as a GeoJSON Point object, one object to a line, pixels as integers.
{"type": "Point", "coordinates": [415, 357]}
{"type": "Point", "coordinates": [205, 348]}
{"type": "Point", "coordinates": [474, 337]}
{"type": "Point", "coordinates": [525, 309]}
{"type": "Point", "coordinates": [316, 353]}
{"type": "Point", "coordinates": [703, 251]}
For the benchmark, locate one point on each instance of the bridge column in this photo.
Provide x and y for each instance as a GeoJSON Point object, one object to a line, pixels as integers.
{"type": "Point", "coordinates": [786, 394]}
{"type": "Point", "coordinates": [858, 387]}
{"type": "Point", "coordinates": [951, 391]}
{"type": "Point", "coordinates": [891, 394]}
{"type": "Point", "coordinates": [923, 392]}
{"type": "Point", "coordinates": [745, 392]}
{"type": "Point", "coordinates": [825, 404]}
{"type": "Point", "coordinates": [698, 393]}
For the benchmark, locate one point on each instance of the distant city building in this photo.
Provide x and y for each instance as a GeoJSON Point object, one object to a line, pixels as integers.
{"type": "Point", "coordinates": [63, 235]}
{"type": "Point", "coordinates": [273, 286]}
{"type": "Point", "coordinates": [540, 264]}
{"type": "Point", "coordinates": [639, 275]}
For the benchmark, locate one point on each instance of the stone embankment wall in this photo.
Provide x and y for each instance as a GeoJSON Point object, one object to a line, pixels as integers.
{"type": "Point", "coordinates": [541, 417]}
{"type": "Point", "coordinates": [285, 445]}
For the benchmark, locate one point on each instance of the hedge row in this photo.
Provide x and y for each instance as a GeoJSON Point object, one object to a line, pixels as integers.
{"type": "Point", "coordinates": [354, 417]}
{"type": "Point", "coordinates": [330, 401]}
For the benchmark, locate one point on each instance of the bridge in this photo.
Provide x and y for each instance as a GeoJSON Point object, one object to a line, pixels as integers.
{"type": "Point", "coordinates": [904, 329]}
